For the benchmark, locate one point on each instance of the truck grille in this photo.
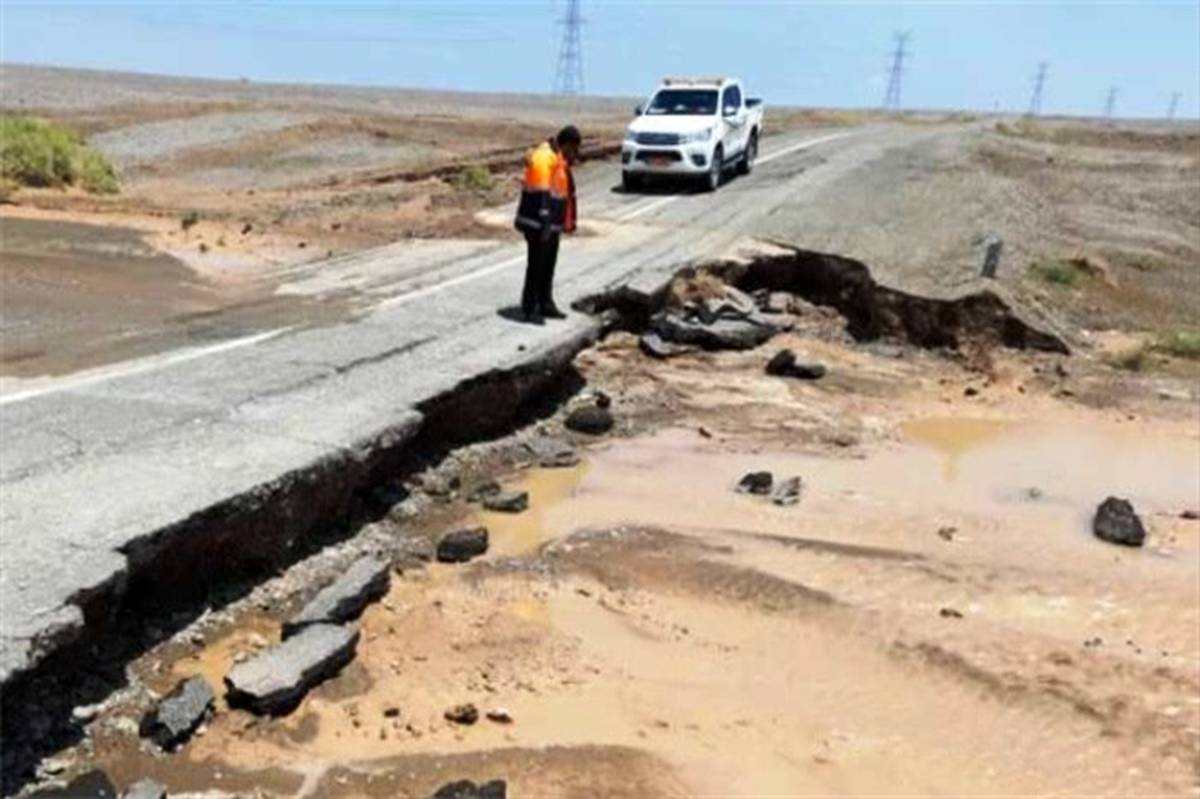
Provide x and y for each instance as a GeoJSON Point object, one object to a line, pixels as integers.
{"type": "Point", "coordinates": [659, 155]}
{"type": "Point", "coordinates": [658, 139]}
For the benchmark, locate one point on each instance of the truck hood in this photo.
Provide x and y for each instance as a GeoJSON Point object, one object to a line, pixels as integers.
{"type": "Point", "coordinates": [672, 124]}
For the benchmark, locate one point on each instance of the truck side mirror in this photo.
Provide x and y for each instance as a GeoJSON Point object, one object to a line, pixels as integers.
{"type": "Point", "coordinates": [637, 110]}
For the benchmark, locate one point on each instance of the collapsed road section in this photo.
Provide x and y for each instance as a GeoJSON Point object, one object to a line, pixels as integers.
{"type": "Point", "coordinates": [226, 471]}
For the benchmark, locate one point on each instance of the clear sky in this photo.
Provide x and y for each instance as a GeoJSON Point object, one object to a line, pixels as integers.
{"type": "Point", "coordinates": [971, 55]}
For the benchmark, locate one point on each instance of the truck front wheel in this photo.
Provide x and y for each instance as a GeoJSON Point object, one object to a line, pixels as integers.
{"type": "Point", "coordinates": [716, 170]}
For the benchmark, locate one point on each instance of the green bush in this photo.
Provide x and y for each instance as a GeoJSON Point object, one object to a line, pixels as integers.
{"type": "Point", "coordinates": [42, 154]}
{"type": "Point", "coordinates": [473, 177]}
{"type": "Point", "coordinates": [1058, 273]}
{"type": "Point", "coordinates": [1180, 344]}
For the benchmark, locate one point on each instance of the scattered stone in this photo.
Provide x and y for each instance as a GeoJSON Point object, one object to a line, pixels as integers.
{"type": "Point", "coordinates": [950, 613]}
{"type": "Point", "coordinates": [179, 713]}
{"type": "Point", "coordinates": [465, 789]}
{"type": "Point", "coordinates": [480, 491]}
{"type": "Point", "coordinates": [704, 432]}
{"type": "Point", "coordinates": [552, 453]}
{"type": "Point", "coordinates": [437, 485]}
{"type": "Point", "coordinates": [463, 545]}
{"type": "Point", "coordinates": [970, 391]}
{"type": "Point", "coordinates": [722, 333]}
{"type": "Point", "coordinates": [500, 716]}
{"type": "Point", "coordinates": [784, 364]}
{"type": "Point", "coordinates": [992, 247]}
{"type": "Point", "coordinates": [1117, 523]}
{"type": "Point", "coordinates": [274, 681]}
{"type": "Point", "coordinates": [947, 533]}
{"type": "Point", "coordinates": [366, 581]}
{"type": "Point", "coordinates": [92, 785]}
{"type": "Point", "coordinates": [1034, 493]}
{"type": "Point", "coordinates": [53, 766]}
{"type": "Point", "coordinates": [602, 399]}
{"type": "Point", "coordinates": [507, 502]}
{"type": "Point", "coordinates": [788, 492]}
{"type": "Point", "coordinates": [777, 302]}
{"type": "Point", "coordinates": [756, 483]}
{"type": "Point", "coordinates": [589, 419]}
{"type": "Point", "coordinates": [145, 789]}
{"type": "Point", "coordinates": [653, 345]}
{"type": "Point", "coordinates": [1190, 514]}
{"type": "Point", "coordinates": [391, 712]}
{"type": "Point", "coordinates": [463, 714]}
{"type": "Point", "coordinates": [246, 228]}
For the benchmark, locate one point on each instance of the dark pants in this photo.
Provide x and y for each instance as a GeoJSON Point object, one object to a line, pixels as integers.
{"type": "Point", "coordinates": [538, 295]}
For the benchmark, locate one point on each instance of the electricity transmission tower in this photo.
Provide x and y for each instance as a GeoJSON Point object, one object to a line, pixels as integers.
{"type": "Point", "coordinates": [1173, 106]}
{"type": "Point", "coordinates": [568, 77]}
{"type": "Point", "coordinates": [891, 98]}
{"type": "Point", "coordinates": [1110, 102]}
{"type": "Point", "coordinates": [1035, 102]}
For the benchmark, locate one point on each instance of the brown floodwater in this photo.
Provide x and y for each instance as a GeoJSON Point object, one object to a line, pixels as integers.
{"type": "Point", "coordinates": [752, 650]}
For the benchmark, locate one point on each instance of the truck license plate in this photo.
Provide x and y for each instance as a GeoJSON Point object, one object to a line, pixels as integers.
{"type": "Point", "coordinates": [660, 161]}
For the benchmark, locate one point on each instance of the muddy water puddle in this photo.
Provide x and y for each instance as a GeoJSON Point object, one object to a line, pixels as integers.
{"type": "Point", "coordinates": [707, 650]}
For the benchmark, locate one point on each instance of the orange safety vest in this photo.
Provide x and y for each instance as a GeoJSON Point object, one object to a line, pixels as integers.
{"type": "Point", "coordinates": [547, 193]}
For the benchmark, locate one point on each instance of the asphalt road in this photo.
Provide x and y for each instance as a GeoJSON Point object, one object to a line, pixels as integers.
{"type": "Point", "coordinates": [100, 461]}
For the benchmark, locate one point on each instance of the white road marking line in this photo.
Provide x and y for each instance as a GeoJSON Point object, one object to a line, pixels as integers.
{"type": "Point", "coordinates": [765, 159]}
{"type": "Point", "coordinates": [140, 366]}
{"type": "Point", "coordinates": [416, 294]}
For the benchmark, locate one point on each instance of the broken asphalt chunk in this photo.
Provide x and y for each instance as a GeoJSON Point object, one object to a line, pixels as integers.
{"type": "Point", "coordinates": [462, 714]}
{"type": "Point", "coordinates": [788, 492]}
{"type": "Point", "coordinates": [590, 419]}
{"type": "Point", "coordinates": [507, 502]}
{"type": "Point", "coordinates": [552, 453]}
{"type": "Point", "coordinates": [345, 598]}
{"type": "Point", "coordinates": [465, 789]}
{"type": "Point", "coordinates": [274, 681]}
{"type": "Point", "coordinates": [756, 483]}
{"type": "Point", "coordinates": [462, 545]}
{"type": "Point", "coordinates": [92, 785]}
{"type": "Point", "coordinates": [784, 364]}
{"type": "Point", "coordinates": [179, 713]}
{"type": "Point", "coordinates": [653, 345]}
{"type": "Point", "coordinates": [1117, 523]}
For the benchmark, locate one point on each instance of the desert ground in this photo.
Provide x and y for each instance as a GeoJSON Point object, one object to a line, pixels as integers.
{"type": "Point", "coordinates": [933, 616]}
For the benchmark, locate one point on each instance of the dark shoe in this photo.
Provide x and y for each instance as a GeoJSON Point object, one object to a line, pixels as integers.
{"type": "Point", "coordinates": [551, 312]}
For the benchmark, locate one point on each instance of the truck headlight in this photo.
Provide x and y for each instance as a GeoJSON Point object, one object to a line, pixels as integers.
{"type": "Point", "coordinates": [700, 135]}
{"type": "Point", "coordinates": [630, 137]}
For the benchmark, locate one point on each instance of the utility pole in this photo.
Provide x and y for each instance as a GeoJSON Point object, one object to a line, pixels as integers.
{"type": "Point", "coordinates": [1110, 102]}
{"type": "Point", "coordinates": [568, 77]}
{"type": "Point", "coordinates": [891, 98]}
{"type": "Point", "coordinates": [1035, 102]}
{"type": "Point", "coordinates": [1173, 106]}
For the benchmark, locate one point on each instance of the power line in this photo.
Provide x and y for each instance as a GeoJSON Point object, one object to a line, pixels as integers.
{"type": "Point", "coordinates": [568, 77]}
{"type": "Point", "coordinates": [1110, 102]}
{"type": "Point", "coordinates": [891, 98]}
{"type": "Point", "coordinates": [1035, 102]}
{"type": "Point", "coordinates": [1173, 106]}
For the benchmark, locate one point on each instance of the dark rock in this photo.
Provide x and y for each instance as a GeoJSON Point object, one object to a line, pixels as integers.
{"type": "Point", "coordinates": [481, 490]}
{"type": "Point", "coordinates": [947, 533]}
{"type": "Point", "coordinates": [1190, 513]}
{"type": "Point", "coordinates": [756, 483]}
{"type": "Point", "coordinates": [463, 714]}
{"type": "Point", "coordinates": [391, 712]}
{"type": "Point", "coordinates": [462, 545]}
{"type": "Point", "coordinates": [274, 681]}
{"type": "Point", "coordinates": [653, 345]}
{"type": "Point", "coordinates": [1117, 523]}
{"type": "Point", "coordinates": [507, 502]}
{"type": "Point", "coordinates": [179, 713]}
{"type": "Point", "coordinates": [344, 599]}
{"type": "Point", "coordinates": [145, 789]}
{"type": "Point", "coordinates": [970, 391]}
{"type": "Point", "coordinates": [784, 364]}
{"type": "Point", "coordinates": [552, 453]}
{"type": "Point", "coordinates": [788, 492]}
{"type": "Point", "coordinates": [499, 715]}
{"type": "Point", "coordinates": [950, 613]}
{"type": "Point", "coordinates": [465, 789]}
{"type": "Point", "coordinates": [589, 419]}
{"type": "Point", "coordinates": [92, 785]}
{"type": "Point", "coordinates": [602, 399]}
{"type": "Point", "coordinates": [437, 485]}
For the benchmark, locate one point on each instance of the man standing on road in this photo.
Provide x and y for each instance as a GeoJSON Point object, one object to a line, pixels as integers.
{"type": "Point", "coordinates": [546, 210]}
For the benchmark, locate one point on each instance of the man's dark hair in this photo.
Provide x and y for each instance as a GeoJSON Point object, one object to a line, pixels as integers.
{"type": "Point", "coordinates": [569, 135]}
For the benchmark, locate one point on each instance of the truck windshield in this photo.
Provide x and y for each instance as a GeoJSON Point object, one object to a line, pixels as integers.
{"type": "Point", "coordinates": [690, 102]}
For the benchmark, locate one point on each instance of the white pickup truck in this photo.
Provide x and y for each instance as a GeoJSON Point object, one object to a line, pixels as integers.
{"type": "Point", "coordinates": [692, 128]}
